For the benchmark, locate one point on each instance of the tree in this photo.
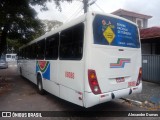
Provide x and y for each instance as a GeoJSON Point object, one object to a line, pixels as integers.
{"type": "Point", "coordinates": [42, 3]}
{"type": "Point", "coordinates": [18, 20]}
{"type": "Point", "coordinates": [13, 44]}
{"type": "Point", "coordinates": [51, 25]}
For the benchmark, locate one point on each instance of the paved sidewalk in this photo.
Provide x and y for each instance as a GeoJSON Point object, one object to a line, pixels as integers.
{"type": "Point", "coordinates": [150, 96]}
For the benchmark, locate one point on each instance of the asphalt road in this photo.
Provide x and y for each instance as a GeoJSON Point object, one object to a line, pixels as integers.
{"type": "Point", "coordinates": [19, 94]}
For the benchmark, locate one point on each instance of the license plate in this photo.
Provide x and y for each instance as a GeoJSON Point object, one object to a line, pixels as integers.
{"type": "Point", "coordinates": [119, 80]}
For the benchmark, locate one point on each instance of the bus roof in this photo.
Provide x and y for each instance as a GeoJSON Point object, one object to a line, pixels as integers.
{"type": "Point", "coordinates": [64, 26]}
{"type": "Point", "coordinates": [74, 22]}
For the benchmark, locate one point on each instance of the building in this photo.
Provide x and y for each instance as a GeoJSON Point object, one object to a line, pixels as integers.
{"type": "Point", "coordinates": [150, 40]}
{"type": "Point", "coordinates": [148, 47]}
{"type": "Point", "coordinates": [140, 19]}
{"type": "Point", "coordinates": [150, 44]}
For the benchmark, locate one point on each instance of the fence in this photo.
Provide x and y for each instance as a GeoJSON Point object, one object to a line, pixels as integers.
{"type": "Point", "coordinates": [151, 68]}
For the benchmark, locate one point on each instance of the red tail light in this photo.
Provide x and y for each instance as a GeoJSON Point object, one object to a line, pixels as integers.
{"type": "Point", "coordinates": [139, 77]}
{"type": "Point", "coordinates": [92, 78]}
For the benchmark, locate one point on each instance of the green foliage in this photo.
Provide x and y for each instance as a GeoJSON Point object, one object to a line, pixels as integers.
{"type": "Point", "coordinates": [51, 25]}
{"type": "Point", "coordinates": [42, 3]}
{"type": "Point", "coordinates": [18, 20]}
{"type": "Point", "coordinates": [13, 44]}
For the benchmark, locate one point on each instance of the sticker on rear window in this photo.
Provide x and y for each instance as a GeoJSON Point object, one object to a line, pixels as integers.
{"type": "Point", "coordinates": [115, 32]}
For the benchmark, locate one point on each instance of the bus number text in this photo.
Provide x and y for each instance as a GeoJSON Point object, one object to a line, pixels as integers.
{"type": "Point", "coordinates": [69, 75]}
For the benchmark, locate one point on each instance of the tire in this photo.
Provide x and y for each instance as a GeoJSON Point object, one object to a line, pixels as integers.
{"type": "Point", "coordinates": [40, 85]}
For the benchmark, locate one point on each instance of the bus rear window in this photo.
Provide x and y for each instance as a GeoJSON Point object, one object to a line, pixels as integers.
{"type": "Point", "coordinates": [115, 32]}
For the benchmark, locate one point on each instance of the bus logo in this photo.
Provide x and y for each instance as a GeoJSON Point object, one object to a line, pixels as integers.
{"type": "Point", "coordinates": [120, 63]}
{"type": "Point", "coordinates": [44, 67]}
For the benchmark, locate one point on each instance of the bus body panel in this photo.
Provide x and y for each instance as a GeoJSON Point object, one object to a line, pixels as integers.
{"type": "Point", "coordinates": [50, 77]}
{"type": "Point", "coordinates": [28, 69]}
{"type": "Point", "coordinates": [24, 68]}
{"type": "Point", "coordinates": [54, 67]}
{"type": "Point", "coordinates": [120, 81]}
{"type": "Point", "coordinates": [31, 65]}
{"type": "Point", "coordinates": [92, 99]}
{"type": "Point", "coordinates": [71, 76]}
{"type": "Point", "coordinates": [111, 79]}
{"type": "Point", "coordinates": [51, 87]}
{"type": "Point", "coordinates": [71, 95]}
{"type": "Point", "coordinates": [69, 79]}
{"type": "Point", "coordinates": [88, 39]}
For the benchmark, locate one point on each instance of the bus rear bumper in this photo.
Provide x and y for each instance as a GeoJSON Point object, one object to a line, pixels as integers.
{"type": "Point", "coordinates": [92, 99]}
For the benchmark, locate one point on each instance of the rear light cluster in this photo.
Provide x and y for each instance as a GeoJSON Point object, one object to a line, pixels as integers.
{"type": "Point", "coordinates": [92, 78]}
{"type": "Point", "coordinates": [139, 77]}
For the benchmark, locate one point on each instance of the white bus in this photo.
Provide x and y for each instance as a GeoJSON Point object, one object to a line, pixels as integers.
{"type": "Point", "coordinates": [11, 57]}
{"type": "Point", "coordinates": [91, 60]}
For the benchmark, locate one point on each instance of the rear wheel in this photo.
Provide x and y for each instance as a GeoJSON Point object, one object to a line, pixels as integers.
{"type": "Point", "coordinates": [40, 85]}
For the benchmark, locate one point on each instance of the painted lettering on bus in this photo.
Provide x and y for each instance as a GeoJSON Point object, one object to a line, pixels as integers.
{"type": "Point", "coordinates": [69, 75]}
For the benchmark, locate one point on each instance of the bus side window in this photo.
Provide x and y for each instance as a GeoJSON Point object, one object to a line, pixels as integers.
{"type": "Point", "coordinates": [52, 44]}
{"type": "Point", "coordinates": [71, 43]}
{"type": "Point", "coordinates": [33, 51]}
{"type": "Point", "coordinates": [40, 49]}
{"type": "Point", "coordinates": [8, 56]}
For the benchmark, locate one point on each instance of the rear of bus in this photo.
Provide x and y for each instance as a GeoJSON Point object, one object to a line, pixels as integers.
{"type": "Point", "coordinates": [113, 64]}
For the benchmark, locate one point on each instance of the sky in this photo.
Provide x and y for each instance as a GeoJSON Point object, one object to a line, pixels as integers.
{"type": "Point", "coordinates": [73, 10]}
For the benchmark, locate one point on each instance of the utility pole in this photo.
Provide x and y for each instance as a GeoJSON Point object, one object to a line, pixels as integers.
{"type": "Point", "coordinates": [86, 4]}
{"type": "Point", "coordinates": [85, 7]}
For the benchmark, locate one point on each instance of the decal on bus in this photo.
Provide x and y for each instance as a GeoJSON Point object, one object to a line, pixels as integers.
{"type": "Point", "coordinates": [115, 32]}
{"type": "Point", "coordinates": [44, 67]}
{"type": "Point", "coordinates": [120, 63]}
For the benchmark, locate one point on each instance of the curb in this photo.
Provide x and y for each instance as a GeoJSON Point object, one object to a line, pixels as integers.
{"type": "Point", "coordinates": [135, 102]}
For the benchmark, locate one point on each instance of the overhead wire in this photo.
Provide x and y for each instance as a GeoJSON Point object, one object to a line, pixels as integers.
{"type": "Point", "coordinates": [79, 7]}
{"type": "Point", "coordinates": [99, 7]}
{"type": "Point", "coordinates": [78, 12]}
{"type": "Point", "coordinates": [67, 10]}
{"type": "Point", "coordinates": [75, 13]}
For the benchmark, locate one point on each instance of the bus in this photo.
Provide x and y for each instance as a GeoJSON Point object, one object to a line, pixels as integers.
{"type": "Point", "coordinates": [91, 60]}
{"type": "Point", "coordinates": [11, 57]}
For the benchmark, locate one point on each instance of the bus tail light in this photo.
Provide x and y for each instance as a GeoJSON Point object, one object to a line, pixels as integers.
{"type": "Point", "coordinates": [139, 77]}
{"type": "Point", "coordinates": [92, 78]}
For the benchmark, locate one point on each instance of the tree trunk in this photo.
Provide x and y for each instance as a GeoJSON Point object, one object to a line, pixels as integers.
{"type": "Point", "coordinates": [3, 40]}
